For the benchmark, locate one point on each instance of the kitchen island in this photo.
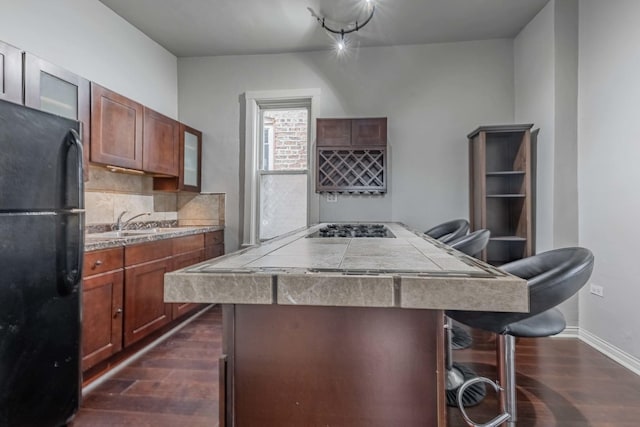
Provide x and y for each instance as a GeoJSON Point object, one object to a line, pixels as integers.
{"type": "Point", "coordinates": [340, 330]}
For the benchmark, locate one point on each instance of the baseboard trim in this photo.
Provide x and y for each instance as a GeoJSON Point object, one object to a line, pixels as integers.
{"type": "Point", "coordinates": [611, 351]}
{"type": "Point", "coordinates": [569, 332]}
{"type": "Point", "coordinates": [99, 381]}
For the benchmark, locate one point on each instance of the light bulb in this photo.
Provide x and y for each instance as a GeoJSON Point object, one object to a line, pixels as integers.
{"type": "Point", "coordinates": [341, 46]}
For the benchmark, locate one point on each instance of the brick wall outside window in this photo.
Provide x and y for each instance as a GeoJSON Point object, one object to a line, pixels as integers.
{"type": "Point", "coordinates": [290, 138]}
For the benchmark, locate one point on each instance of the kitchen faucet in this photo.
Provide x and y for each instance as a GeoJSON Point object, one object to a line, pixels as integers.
{"type": "Point", "coordinates": [123, 225]}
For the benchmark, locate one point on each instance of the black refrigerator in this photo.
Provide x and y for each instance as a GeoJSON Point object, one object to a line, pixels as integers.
{"type": "Point", "coordinates": [41, 254]}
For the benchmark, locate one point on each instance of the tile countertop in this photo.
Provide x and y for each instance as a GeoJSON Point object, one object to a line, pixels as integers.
{"type": "Point", "coordinates": [97, 241]}
{"type": "Point", "coordinates": [410, 270]}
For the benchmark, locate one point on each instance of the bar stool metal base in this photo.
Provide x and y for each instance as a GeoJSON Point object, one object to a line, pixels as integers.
{"type": "Point", "coordinates": [458, 375]}
{"type": "Point", "coordinates": [507, 393]}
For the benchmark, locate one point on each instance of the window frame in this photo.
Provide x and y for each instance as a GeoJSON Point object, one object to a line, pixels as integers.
{"type": "Point", "coordinates": [254, 102]}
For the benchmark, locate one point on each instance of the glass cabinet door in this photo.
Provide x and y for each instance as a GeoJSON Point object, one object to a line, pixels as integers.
{"type": "Point", "coordinates": [10, 73]}
{"type": "Point", "coordinates": [58, 96]}
{"type": "Point", "coordinates": [191, 153]}
{"type": "Point", "coordinates": [190, 164]}
{"type": "Point", "coordinates": [190, 160]}
{"type": "Point", "coordinates": [53, 89]}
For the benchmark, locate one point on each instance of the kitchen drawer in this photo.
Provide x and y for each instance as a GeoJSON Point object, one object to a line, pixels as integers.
{"type": "Point", "coordinates": [96, 262]}
{"type": "Point", "coordinates": [144, 252]}
{"type": "Point", "coordinates": [188, 243]}
{"type": "Point", "coordinates": [187, 259]}
{"type": "Point", "coordinates": [213, 238]}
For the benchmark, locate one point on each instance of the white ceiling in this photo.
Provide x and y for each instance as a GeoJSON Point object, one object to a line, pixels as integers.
{"type": "Point", "coordinates": [237, 27]}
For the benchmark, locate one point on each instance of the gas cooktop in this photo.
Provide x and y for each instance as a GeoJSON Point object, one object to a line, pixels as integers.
{"type": "Point", "coordinates": [353, 230]}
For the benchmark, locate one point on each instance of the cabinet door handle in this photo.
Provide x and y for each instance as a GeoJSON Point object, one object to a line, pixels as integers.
{"type": "Point", "coordinates": [118, 312]}
{"type": "Point", "coordinates": [98, 263]}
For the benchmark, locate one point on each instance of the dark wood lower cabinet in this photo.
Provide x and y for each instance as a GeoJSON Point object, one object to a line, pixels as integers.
{"type": "Point", "coordinates": [181, 261]}
{"type": "Point", "coordinates": [303, 365]}
{"type": "Point", "coordinates": [102, 326]}
{"type": "Point", "coordinates": [213, 244]}
{"type": "Point", "coordinates": [102, 303]}
{"type": "Point", "coordinates": [144, 309]}
{"type": "Point", "coordinates": [123, 296]}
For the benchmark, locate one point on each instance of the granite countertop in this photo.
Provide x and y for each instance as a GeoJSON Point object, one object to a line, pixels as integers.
{"type": "Point", "coordinates": [409, 270]}
{"type": "Point", "coordinates": [113, 239]}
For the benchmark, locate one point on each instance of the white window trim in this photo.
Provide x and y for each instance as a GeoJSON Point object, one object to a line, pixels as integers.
{"type": "Point", "coordinates": [271, 144]}
{"type": "Point", "coordinates": [250, 235]}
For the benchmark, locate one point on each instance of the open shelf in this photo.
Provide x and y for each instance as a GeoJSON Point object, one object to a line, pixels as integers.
{"type": "Point", "coordinates": [508, 239]}
{"type": "Point", "coordinates": [505, 173]}
{"type": "Point", "coordinates": [503, 251]}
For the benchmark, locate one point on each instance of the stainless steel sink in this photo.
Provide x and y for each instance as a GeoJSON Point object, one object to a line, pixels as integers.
{"type": "Point", "coordinates": [115, 234]}
{"type": "Point", "coordinates": [133, 233]}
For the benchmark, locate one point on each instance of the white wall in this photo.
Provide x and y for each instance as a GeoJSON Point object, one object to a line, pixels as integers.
{"type": "Point", "coordinates": [433, 95]}
{"type": "Point", "coordinates": [534, 76]}
{"type": "Point", "coordinates": [87, 38]}
{"type": "Point", "coordinates": [546, 67]}
{"type": "Point", "coordinates": [609, 175]}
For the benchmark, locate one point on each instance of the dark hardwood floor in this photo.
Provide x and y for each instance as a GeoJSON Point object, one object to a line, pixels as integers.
{"type": "Point", "coordinates": [562, 382]}
{"type": "Point", "coordinates": [173, 384]}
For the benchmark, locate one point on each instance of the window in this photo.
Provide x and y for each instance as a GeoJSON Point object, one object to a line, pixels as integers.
{"type": "Point", "coordinates": [283, 173]}
{"type": "Point", "coordinates": [278, 194]}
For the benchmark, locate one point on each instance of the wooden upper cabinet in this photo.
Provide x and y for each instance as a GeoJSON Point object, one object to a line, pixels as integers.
{"type": "Point", "coordinates": [161, 149]}
{"type": "Point", "coordinates": [369, 132]}
{"type": "Point", "coordinates": [10, 73]}
{"type": "Point", "coordinates": [189, 177]}
{"type": "Point", "coordinates": [351, 132]}
{"type": "Point", "coordinates": [50, 88]}
{"type": "Point", "coordinates": [116, 131]}
{"type": "Point", "coordinates": [333, 132]}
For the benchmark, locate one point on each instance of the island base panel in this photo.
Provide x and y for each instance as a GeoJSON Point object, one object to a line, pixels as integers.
{"type": "Point", "coordinates": [337, 366]}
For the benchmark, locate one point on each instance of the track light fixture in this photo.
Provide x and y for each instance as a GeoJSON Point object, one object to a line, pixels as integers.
{"type": "Point", "coordinates": [349, 28]}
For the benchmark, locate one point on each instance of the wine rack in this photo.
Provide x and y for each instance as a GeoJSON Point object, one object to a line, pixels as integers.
{"type": "Point", "coordinates": [352, 171]}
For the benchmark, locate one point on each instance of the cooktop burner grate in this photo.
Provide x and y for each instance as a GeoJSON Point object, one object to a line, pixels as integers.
{"type": "Point", "coordinates": [353, 230]}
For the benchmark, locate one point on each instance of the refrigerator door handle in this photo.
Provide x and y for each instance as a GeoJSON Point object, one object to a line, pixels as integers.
{"type": "Point", "coordinates": [69, 276]}
{"type": "Point", "coordinates": [74, 141]}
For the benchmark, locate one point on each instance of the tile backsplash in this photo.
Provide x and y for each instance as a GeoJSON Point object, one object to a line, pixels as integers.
{"type": "Point", "coordinates": [107, 194]}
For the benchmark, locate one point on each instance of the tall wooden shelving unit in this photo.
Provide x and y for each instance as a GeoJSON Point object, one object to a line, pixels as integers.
{"type": "Point", "coordinates": [500, 190]}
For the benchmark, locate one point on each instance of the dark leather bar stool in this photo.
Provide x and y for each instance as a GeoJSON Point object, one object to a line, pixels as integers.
{"type": "Point", "coordinates": [457, 338]}
{"type": "Point", "coordinates": [473, 243]}
{"type": "Point", "coordinates": [448, 231]}
{"type": "Point", "coordinates": [553, 277]}
{"type": "Point", "coordinates": [470, 244]}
